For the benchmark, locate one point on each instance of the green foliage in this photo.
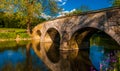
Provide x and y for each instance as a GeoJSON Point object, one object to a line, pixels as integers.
{"type": "Point", "coordinates": [6, 33]}
{"type": "Point", "coordinates": [11, 20]}
{"type": "Point", "coordinates": [102, 39]}
{"type": "Point", "coordinates": [23, 35]}
{"type": "Point", "coordinates": [83, 8]}
{"type": "Point", "coordinates": [116, 3]}
{"type": "Point", "coordinates": [23, 12]}
{"type": "Point", "coordinates": [74, 12]}
{"type": "Point", "coordinates": [17, 21]}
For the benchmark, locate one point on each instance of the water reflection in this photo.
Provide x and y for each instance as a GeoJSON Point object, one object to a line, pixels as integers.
{"type": "Point", "coordinates": [21, 59]}
{"type": "Point", "coordinates": [104, 53]}
{"type": "Point", "coordinates": [105, 59]}
{"type": "Point", "coordinates": [36, 56]}
{"type": "Point", "coordinates": [77, 60]}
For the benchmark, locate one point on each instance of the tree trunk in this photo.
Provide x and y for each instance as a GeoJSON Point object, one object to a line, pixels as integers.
{"type": "Point", "coordinates": [28, 27]}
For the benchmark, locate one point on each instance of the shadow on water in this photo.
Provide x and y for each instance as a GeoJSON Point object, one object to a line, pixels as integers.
{"type": "Point", "coordinates": [36, 56]}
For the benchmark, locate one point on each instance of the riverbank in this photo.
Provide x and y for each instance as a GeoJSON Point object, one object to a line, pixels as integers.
{"type": "Point", "coordinates": [10, 34]}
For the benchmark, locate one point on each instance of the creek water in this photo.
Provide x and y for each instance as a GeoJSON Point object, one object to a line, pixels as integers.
{"type": "Point", "coordinates": [101, 55]}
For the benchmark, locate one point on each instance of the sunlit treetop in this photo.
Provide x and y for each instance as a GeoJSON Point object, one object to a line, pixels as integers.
{"type": "Point", "coordinates": [30, 7]}
{"type": "Point", "coordinates": [116, 2]}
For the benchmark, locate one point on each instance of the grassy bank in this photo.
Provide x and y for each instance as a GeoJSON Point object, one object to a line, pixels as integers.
{"type": "Point", "coordinates": [13, 34]}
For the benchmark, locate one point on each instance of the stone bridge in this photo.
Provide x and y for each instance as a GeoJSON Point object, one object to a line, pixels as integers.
{"type": "Point", "coordinates": [70, 31]}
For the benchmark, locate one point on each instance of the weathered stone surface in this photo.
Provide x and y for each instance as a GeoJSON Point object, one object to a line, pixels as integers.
{"type": "Point", "coordinates": [105, 20]}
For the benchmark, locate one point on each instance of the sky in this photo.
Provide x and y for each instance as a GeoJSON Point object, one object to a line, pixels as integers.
{"type": "Point", "coordinates": [69, 5]}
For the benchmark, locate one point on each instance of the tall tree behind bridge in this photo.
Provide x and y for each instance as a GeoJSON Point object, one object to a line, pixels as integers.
{"type": "Point", "coordinates": [29, 8]}
{"type": "Point", "coordinates": [81, 9]}
{"type": "Point", "coordinates": [115, 2]}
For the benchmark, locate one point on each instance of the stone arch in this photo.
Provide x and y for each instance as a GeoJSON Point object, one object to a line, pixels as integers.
{"type": "Point", "coordinates": [36, 32]}
{"type": "Point", "coordinates": [52, 35]}
{"type": "Point", "coordinates": [82, 36]}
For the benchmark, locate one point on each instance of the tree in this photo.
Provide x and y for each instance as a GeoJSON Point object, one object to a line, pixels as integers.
{"type": "Point", "coordinates": [84, 8]}
{"type": "Point", "coordinates": [81, 9]}
{"type": "Point", "coordinates": [115, 2]}
{"type": "Point", "coordinates": [29, 8]}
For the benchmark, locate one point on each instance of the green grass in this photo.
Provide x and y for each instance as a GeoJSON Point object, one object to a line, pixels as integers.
{"type": "Point", "coordinates": [7, 35]}
{"type": "Point", "coordinates": [12, 33]}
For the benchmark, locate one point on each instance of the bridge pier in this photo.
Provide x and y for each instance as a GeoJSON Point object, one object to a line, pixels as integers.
{"type": "Point", "coordinates": [65, 42]}
{"type": "Point", "coordinates": [68, 45]}
{"type": "Point", "coordinates": [64, 45]}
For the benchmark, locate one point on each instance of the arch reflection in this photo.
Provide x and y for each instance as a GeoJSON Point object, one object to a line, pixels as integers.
{"type": "Point", "coordinates": [77, 60]}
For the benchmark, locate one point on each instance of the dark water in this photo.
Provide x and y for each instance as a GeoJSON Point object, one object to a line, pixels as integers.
{"type": "Point", "coordinates": [102, 55]}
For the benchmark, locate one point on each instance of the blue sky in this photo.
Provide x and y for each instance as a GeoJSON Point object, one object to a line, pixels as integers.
{"type": "Point", "coordinates": [71, 5]}
{"type": "Point", "coordinates": [68, 5]}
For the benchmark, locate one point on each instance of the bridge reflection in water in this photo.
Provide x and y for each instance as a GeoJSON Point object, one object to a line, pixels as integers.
{"type": "Point", "coordinates": [63, 60]}
{"type": "Point", "coordinates": [96, 56]}
{"type": "Point", "coordinates": [99, 56]}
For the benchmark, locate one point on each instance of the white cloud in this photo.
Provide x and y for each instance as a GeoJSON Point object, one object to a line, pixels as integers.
{"type": "Point", "coordinates": [58, 0]}
{"type": "Point", "coordinates": [63, 13]}
{"type": "Point", "coordinates": [72, 10]}
{"type": "Point", "coordinates": [63, 4]}
{"type": "Point", "coordinates": [45, 16]}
